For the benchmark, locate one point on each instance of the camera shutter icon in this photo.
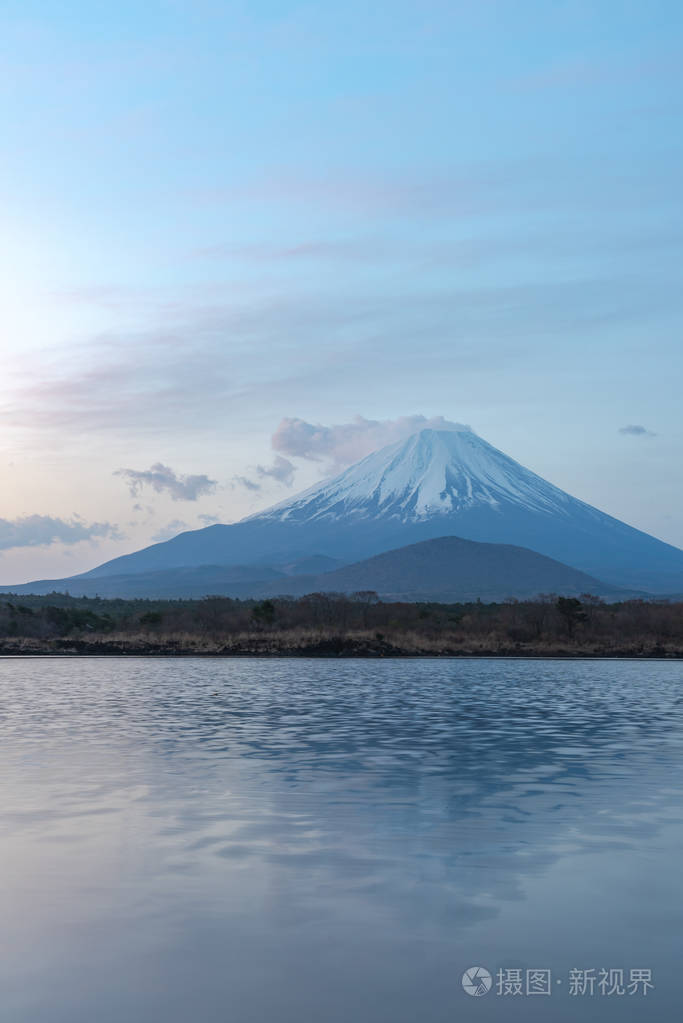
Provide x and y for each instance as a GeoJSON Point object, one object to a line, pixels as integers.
{"type": "Point", "coordinates": [476, 981]}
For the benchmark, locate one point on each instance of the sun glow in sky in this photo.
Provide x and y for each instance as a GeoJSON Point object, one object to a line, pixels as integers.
{"type": "Point", "coordinates": [216, 216]}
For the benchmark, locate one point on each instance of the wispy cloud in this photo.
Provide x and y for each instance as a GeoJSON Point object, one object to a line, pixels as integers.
{"type": "Point", "coordinates": [322, 249]}
{"type": "Point", "coordinates": [44, 530]}
{"type": "Point", "coordinates": [636, 430]}
{"type": "Point", "coordinates": [171, 529]}
{"type": "Point", "coordinates": [454, 191]}
{"type": "Point", "coordinates": [282, 471]}
{"type": "Point", "coordinates": [163, 479]}
{"type": "Point", "coordinates": [198, 362]}
{"type": "Point", "coordinates": [344, 443]}
{"type": "Point", "coordinates": [244, 481]}
{"type": "Point", "coordinates": [460, 250]}
{"type": "Point", "coordinates": [209, 520]}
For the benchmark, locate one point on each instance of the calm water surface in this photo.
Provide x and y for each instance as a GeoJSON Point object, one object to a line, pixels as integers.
{"type": "Point", "coordinates": [259, 840]}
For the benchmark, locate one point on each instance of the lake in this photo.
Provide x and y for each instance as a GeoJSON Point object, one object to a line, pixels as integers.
{"type": "Point", "coordinates": [259, 840]}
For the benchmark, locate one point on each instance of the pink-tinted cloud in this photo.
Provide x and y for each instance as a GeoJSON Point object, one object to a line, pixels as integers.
{"type": "Point", "coordinates": [456, 190]}
{"type": "Point", "coordinates": [342, 249]}
{"type": "Point", "coordinates": [342, 444]}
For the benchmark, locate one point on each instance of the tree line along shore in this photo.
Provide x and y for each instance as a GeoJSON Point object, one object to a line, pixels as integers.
{"type": "Point", "coordinates": [328, 625]}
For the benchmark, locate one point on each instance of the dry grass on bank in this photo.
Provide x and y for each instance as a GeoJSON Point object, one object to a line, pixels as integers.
{"type": "Point", "coordinates": [302, 642]}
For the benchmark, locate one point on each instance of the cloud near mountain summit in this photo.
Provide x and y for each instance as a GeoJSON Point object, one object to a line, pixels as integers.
{"type": "Point", "coordinates": [345, 443]}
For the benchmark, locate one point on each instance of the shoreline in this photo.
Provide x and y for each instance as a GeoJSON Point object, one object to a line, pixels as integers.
{"type": "Point", "coordinates": [190, 654]}
{"type": "Point", "coordinates": [326, 650]}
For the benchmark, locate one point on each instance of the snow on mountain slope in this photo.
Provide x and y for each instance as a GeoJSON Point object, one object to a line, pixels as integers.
{"type": "Point", "coordinates": [434, 472]}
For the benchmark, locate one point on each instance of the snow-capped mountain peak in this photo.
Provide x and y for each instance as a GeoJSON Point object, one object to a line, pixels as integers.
{"type": "Point", "coordinates": [432, 473]}
{"type": "Point", "coordinates": [434, 484]}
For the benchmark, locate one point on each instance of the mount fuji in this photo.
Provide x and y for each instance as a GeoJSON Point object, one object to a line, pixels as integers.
{"type": "Point", "coordinates": [436, 483]}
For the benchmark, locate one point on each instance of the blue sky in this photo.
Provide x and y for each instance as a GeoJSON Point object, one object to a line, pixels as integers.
{"type": "Point", "coordinates": [217, 216]}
